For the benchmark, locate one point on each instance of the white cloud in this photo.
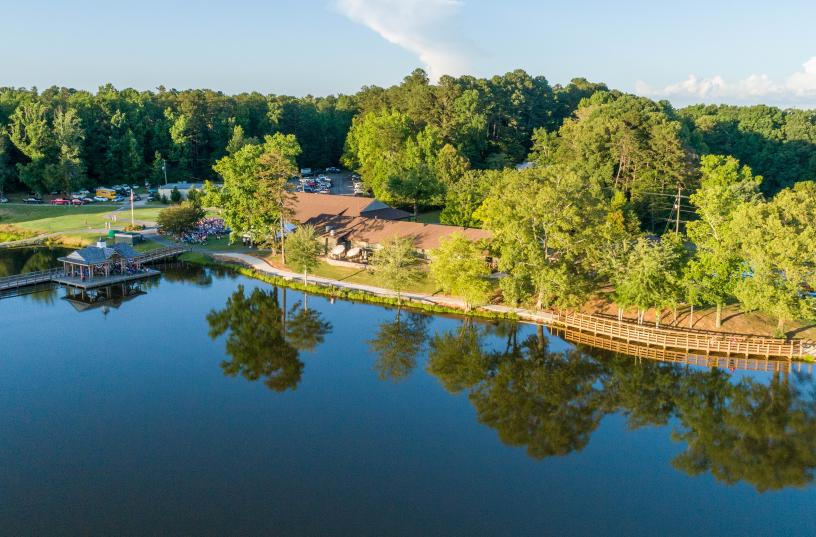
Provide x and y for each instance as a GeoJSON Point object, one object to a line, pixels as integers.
{"type": "Point", "coordinates": [416, 26]}
{"type": "Point", "coordinates": [799, 89]}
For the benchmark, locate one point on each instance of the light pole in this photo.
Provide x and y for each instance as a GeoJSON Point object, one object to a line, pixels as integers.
{"type": "Point", "coordinates": [164, 169]}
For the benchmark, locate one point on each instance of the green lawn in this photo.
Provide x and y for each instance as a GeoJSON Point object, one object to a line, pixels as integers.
{"type": "Point", "coordinates": [362, 276]}
{"type": "Point", "coordinates": [51, 219]}
{"type": "Point", "coordinates": [223, 245]}
{"type": "Point", "coordinates": [148, 245]}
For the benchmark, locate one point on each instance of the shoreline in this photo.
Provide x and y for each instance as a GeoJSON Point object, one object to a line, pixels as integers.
{"type": "Point", "coordinates": [717, 343]}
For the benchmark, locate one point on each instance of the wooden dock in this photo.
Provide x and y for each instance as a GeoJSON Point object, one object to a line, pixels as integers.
{"type": "Point", "coordinates": [731, 363]}
{"type": "Point", "coordinates": [703, 342]}
{"type": "Point", "coordinates": [57, 275]}
{"type": "Point", "coordinates": [29, 278]}
{"type": "Point", "coordinates": [103, 281]}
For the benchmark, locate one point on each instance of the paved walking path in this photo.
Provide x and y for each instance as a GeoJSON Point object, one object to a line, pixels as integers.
{"type": "Point", "coordinates": [441, 300]}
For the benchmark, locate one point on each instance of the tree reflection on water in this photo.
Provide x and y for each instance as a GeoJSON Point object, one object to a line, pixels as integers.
{"type": "Point", "coordinates": [551, 402]}
{"type": "Point", "coordinates": [397, 344]}
{"type": "Point", "coordinates": [260, 343]}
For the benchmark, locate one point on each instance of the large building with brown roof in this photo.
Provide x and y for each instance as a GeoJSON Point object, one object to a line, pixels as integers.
{"type": "Point", "coordinates": [366, 223]}
{"type": "Point", "coordinates": [316, 209]}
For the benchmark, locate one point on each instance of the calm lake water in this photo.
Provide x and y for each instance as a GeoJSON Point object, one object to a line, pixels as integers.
{"type": "Point", "coordinates": [210, 404]}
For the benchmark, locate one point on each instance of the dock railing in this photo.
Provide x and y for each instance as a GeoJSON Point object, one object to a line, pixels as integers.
{"type": "Point", "coordinates": [678, 356]}
{"type": "Point", "coordinates": [161, 253]}
{"type": "Point", "coordinates": [686, 340]}
{"type": "Point", "coordinates": [29, 278]}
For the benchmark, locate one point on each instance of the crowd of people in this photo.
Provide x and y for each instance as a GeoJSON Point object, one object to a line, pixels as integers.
{"type": "Point", "coordinates": [207, 228]}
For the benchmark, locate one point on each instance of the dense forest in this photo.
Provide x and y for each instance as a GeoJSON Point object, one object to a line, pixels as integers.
{"type": "Point", "coordinates": [64, 137]}
{"type": "Point", "coordinates": [605, 176]}
{"type": "Point", "coordinates": [61, 138]}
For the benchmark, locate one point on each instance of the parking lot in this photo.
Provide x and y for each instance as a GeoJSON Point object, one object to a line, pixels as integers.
{"type": "Point", "coordinates": [341, 183]}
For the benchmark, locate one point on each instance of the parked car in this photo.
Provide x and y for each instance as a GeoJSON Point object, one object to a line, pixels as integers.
{"type": "Point", "coordinates": [60, 201]}
{"type": "Point", "coordinates": [77, 201]}
{"type": "Point", "coordinates": [100, 199]}
{"type": "Point", "coordinates": [332, 169]}
{"type": "Point", "coordinates": [88, 200]}
{"type": "Point", "coordinates": [33, 201]}
{"type": "Point", "coordinates": [118, 199]}
{"type": "Point", "coordinates": [3, 200]}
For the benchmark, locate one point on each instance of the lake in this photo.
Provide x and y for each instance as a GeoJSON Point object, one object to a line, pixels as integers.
{"type": "Point", "coordinates": [204, 403]}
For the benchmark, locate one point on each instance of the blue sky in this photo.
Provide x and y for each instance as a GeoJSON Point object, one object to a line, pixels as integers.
{"type": "Point", "coordinates": [687, 51]}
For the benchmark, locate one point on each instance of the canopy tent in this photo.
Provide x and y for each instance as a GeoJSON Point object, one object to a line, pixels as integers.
{"type": "Point", "coordinates": [338, 250]}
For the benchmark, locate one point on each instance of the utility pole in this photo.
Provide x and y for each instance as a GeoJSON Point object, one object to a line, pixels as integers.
{"type": "Point", "coordinates": [677, 208]}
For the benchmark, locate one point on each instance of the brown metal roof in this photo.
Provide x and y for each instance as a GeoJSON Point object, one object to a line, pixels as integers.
{"type": "Point", "coordinates": [367, 220]}
{"type": "Point", "coordinates": [376, 231]}
{"type": "Point", "coordinates": [317, 209]}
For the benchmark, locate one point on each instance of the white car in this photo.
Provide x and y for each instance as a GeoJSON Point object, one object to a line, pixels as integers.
{"type": "Point", "coordinates": [3, 200]}
{"type": "Point", "coordinates": [100, 198]}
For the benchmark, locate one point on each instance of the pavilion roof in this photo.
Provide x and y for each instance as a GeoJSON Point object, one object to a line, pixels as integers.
{"type": "Point", "coordinates": [94, 255]}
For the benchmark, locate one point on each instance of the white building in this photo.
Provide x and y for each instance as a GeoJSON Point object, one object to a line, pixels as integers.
{"type": "Point", "coordinates": [183, 188]}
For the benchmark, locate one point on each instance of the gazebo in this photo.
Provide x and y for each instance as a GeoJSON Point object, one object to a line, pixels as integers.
{"type": "Point", "coordinates": [101, 261]}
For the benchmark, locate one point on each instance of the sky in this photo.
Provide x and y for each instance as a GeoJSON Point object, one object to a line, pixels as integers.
{"type": "Point", "coordinates": [712, 51]}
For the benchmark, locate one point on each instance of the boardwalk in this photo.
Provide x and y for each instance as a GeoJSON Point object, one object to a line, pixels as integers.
{"type": "Point", "coordinates": [30, 278]}
{"type": "Point", "coordinates": [710, 343]}
{"type": "Point", "coordinates": [680, 357]}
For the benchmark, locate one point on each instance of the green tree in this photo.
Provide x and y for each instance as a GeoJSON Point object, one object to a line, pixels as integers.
{"type": "Point", "coordinates": [777, 239]}
{"type": "Point", "coordinates": [459, 267]}
{"type": "Point", "coordinates": [413, 179]}
{"type": "Point", "coordinates": [255, 196]}
{"type": "Point", "coordinates": [31, 134]}
{"type": "Point", "coordinates": [68, 171]}
{"type": "Point", "coordinates": [545, 221]}
{"type": "Point", "coordinates": [274, 196]}
{"type": "Point", "coordinates": [651, 277]}
{"type": "Point", "coordinates": [716, 267]}
{"type": "Point", "coordinates": [373, 147]}
{"type": "Point", "coordinates": [7, 171]}
{"type": "Point", "coordinates": [463, 199]}
{"type": "Point", "coordinates": [450, 167]}
{"type": "Point", "coordinates": [626, 143]}
{"type": "Point", "coordinates": [396, 264]}
{"type": "Point", "coordinates": [304, 250]}
{"type": "Point", "coordinates": [157, 170]}
{"type": "Point", "coordinates": [175, 195]}
{"type": "Point", "coordinates": [179, 219]}
{"type": "Point", "coordinates": [238, 140]}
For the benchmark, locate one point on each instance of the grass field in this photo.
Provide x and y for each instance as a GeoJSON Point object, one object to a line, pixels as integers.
{"type": "Point", "coordinates": [357, 275]}
{"type": "Point", "coordinates": [52, 219]}
{"type": "Point", "coordinates": [223, 245]}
